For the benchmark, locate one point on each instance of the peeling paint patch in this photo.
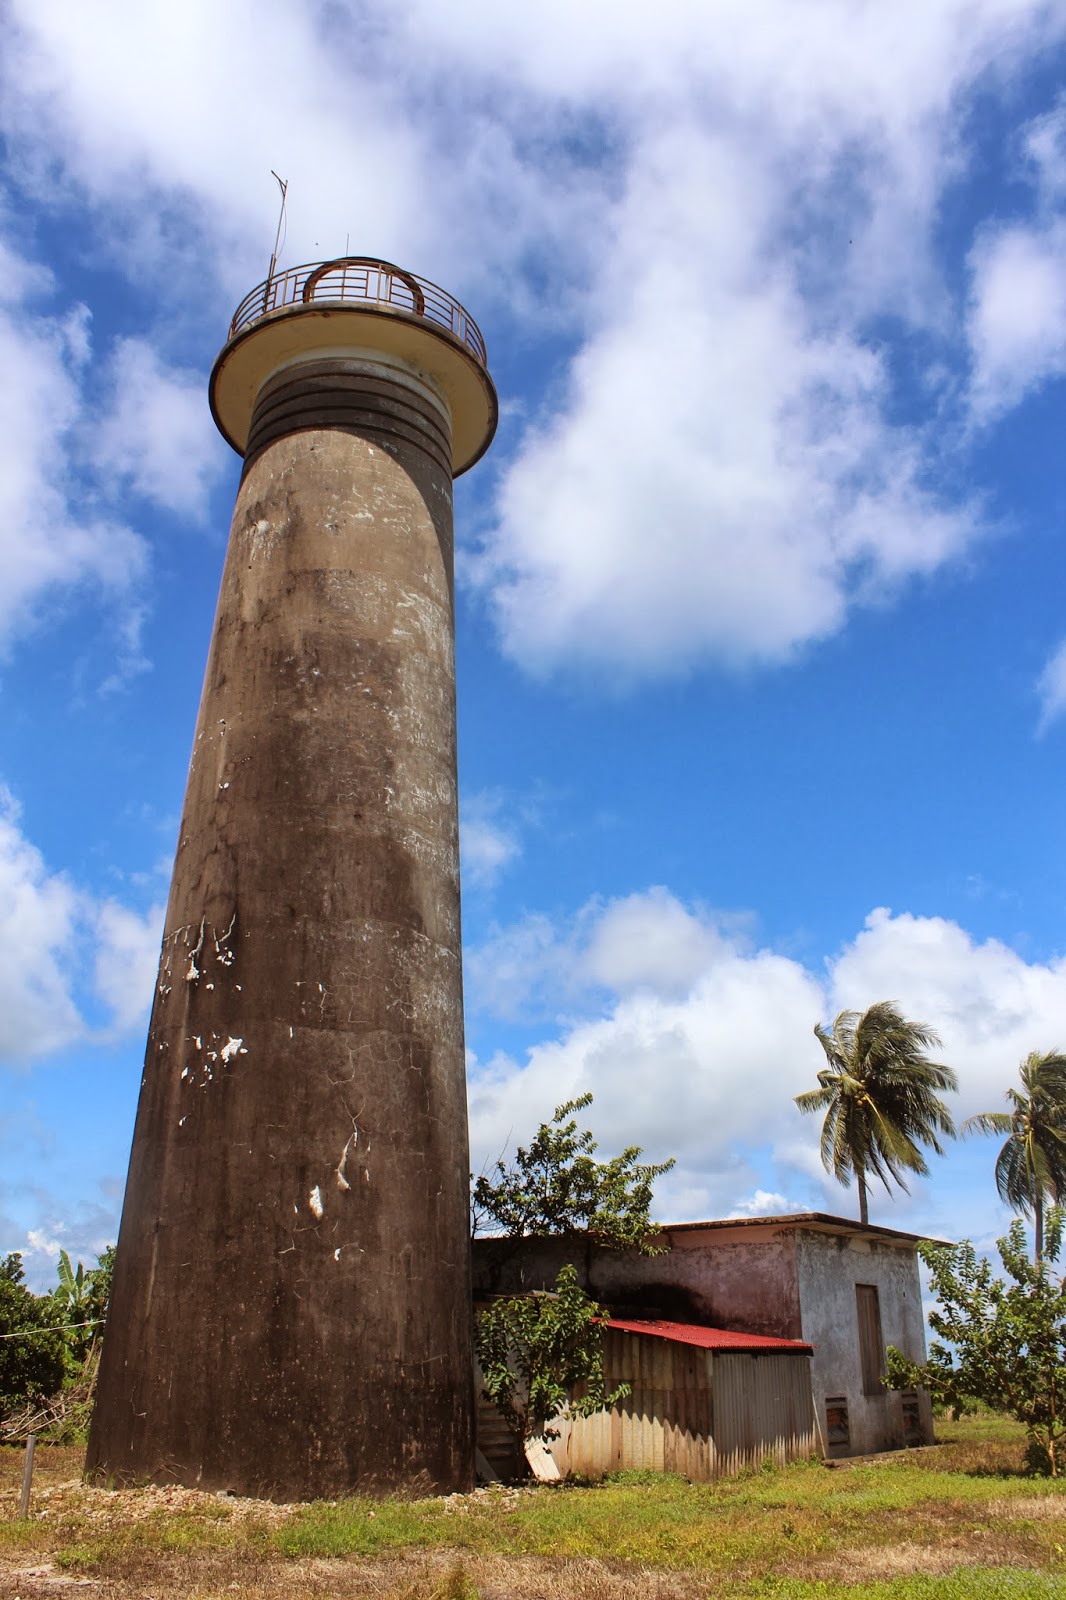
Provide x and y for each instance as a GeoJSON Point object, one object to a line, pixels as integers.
{"type": "Point", "coordinates": [231, 1048]}
{"type": "Point", "coordinates": [194, 971]}
{"type": "Point", "coordinates": [342, 1165]}
{"type": "Point", "coordinates": [223, 953]}
{"type": "Point", "coordinates": [314, 1200]}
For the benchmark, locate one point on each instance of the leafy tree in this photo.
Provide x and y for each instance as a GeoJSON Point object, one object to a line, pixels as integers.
{"type": "Point", "coordinates": [32, 1349]}
{"type": "Point", "coordinates": [1031, 1167]}
{"type": "Point", "coordinates": [557, 1186]}
{"type": "Point", "coordinates": [1005, 1342]}
{"type": "Point", "coordinates": [536, 1350]}
{"type": "Point", "coordinates": [879, 1095]}
{"type": "Point", "coordinates": [100, 1283]}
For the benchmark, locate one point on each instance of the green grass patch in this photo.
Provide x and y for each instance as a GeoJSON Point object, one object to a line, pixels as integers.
{"type": "Point", "coordinates": [753, 1525]}
{"type": "Point", "coordinates": [964, 1583]}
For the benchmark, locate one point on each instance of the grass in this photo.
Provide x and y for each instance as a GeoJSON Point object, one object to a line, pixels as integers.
{"type": "Point", "coordinates": [960, 1520]}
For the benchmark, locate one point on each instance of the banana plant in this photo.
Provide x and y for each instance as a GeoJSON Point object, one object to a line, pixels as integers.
{"type": "Point", "coordinates": [74, 1288]}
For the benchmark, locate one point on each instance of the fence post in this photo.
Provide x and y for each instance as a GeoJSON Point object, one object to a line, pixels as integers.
{"type": "Point", "coordinates": [27, 1476]}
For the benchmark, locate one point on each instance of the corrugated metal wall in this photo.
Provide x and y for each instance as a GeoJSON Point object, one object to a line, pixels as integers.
{"type": "Point", "coordinates": [763, 1409]}
{"type": "Point", "coordinates": [698, 1412]}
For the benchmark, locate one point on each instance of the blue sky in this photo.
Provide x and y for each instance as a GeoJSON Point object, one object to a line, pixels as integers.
{"type": "Point", "coordinates": [761, 637]}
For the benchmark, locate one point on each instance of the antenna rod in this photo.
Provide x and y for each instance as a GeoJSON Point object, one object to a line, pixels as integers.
{"type": "Point", "coordinates": [283, 185]}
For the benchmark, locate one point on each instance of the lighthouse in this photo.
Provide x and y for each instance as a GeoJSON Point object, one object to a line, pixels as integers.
{"type": "Point", "coordinates": [291, 1306]}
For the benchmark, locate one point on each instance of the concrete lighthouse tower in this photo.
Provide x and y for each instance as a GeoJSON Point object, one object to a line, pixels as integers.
{"type": "Point", "coordinates": [290, 1313]}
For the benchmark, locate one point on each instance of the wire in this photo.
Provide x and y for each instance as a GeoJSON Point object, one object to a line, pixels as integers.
{"type": "Point", "coordinates": [31, 1333]}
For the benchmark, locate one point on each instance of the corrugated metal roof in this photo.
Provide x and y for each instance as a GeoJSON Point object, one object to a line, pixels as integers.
{"type": "Point", "coordinates": [709, 1338]}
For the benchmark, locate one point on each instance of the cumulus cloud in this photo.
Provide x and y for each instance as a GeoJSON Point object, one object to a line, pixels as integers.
{"type": "Point", "coordinates": [47, 924]}
{"type": "Point", "coordinates": [713, 210]}
{"type": "Point", "coordinates": [173, 121]}
{"type": "Point", "coordinates": [49, 546]}
{"type": "Point", "coordinates": [1017, 310]}
{"type": "Point", "coordinates": [719, 478]}
{"type": "Point", "coordinates": [127, 957]}
{"type": "Point", "coordinates": [685, 1053]}
{"type": "Point", "coordinates": [640, 942]}
{"type": "Point", "coordinates": [1017, 314]}
{"type": "Point", "coordinates": [157, 434]}
{"type": "Point", "coordinates": [651, 941]}
{"type": "Point", "coordinates": [702, 1058]}
{"type": "Point", "coordinates": [989, 1005]}
{"type": "Point", "coordinates": [39, 915]}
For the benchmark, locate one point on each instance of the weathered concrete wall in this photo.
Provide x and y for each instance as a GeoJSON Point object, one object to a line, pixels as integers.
{"type": "Point", "coordinates": [291, 1304]}
{"type": "Point", "coordinates": [725, 1279]}
{"type": "Point", "coordinates": [829, 1269]}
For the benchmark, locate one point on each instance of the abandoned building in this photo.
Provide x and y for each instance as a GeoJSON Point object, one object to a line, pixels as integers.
{"type": "Point", "coordinates": [746, 1339]}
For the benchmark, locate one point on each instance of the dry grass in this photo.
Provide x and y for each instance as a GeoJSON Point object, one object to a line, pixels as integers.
{"type": "Point", "coordinates": [962, 1517]}
{"type": "Point", "coordinates": [438, 1576]}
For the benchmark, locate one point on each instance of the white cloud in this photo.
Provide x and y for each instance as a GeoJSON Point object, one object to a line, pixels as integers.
{"type": "Point", "coordinates": [703, 1059]}
{"type": "Point", "coordinates": [1017, 314]}
{"type": "Point", "coordinates": [487, 844]}
{"type": "Point", "coordinates": [1051, 687]}
{"type": "Point", "coordinates": [157, 434]}
{"type": "Point", "coordinates": [646, 942]}
{"type": "Point", "coordinates": [651, 941]}
{"type": "Point", "coordinates": [46, 927]}
{"type": "Point", "coordinates": [48, 549]}
{"type": "Point", "coordinates": [39, 914]}
{"type": "Point", "coordinates": [40, 1243]}
{"type": "Point", "coordinates": [173, 120]}
{"type": "Point", "coordinates": [718, 201]}
{"type": "Point", "coordinates": [518, 966]}
{"type": "Point", "coordinates": [1045, 145]}
{"type": "Point", "coordinates": [39, 1224]}
{"type": "Point", "coordinates": [989, 1005]}
{"type": "Point", "coordinates": [719, 480]}
{"type": "Point", "coordinates": [764, 1203]}
{"type": "Point", "coordinates": [694, 1055]}
{"type": "Point", "coordinates": [127, 958]}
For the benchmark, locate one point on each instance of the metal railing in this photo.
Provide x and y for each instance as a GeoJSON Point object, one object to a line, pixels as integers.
{"type": "Point", "coordinates": [361, 280]}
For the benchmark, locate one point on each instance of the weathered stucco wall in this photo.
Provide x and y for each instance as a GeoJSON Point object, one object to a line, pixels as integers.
{"type": "Point", "coordinates": [728, 1279]}
{"type": "Point", "coordinates": [829, 1269]}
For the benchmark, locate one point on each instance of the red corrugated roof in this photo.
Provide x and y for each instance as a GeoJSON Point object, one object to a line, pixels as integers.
{"type": "Point", "coordinates": [708, 1338]}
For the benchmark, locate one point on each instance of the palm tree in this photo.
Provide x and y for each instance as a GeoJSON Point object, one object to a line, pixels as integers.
{"type": "Point", "coordinates": [879, 1095]}
{"type": "Point", "coordinates": [1031, 1166]}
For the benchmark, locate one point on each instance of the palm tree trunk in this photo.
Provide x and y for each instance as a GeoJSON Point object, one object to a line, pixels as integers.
{"type": "Point", "coordinates": [864, 1210]}
{"type": "Point", "coordinates": [1038, 1227]}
